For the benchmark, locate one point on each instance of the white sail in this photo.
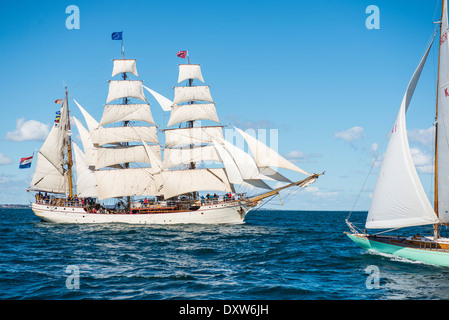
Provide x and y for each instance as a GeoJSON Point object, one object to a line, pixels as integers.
{"type": "Point", "coordinates": [126, 112]}
{"type": "Point", "coordinates": [124, 66]}
{"type": "Point", "coordinates": [246, 164]}
{"type": "Point", "coordinates": [256, 183]}
{"type": "Point", "coordinates": [197, 93]}
{"type": "Point", "coordinates": [190, 112]}
{"type": "Point", "coordinates": [51, 156]}
{"type": "Point", "coordinates": [178, 182]}
{"type": "Point", "coordinates": [231, 168]}
{"type": "Point", "coordinates": [187, 136]}
{"type": "Point", "coordinates": [124, 154]}
{"type": "Point", "coordinates": [103, 136]}
{"type": "Point", "coordinates": [177, 156]}
{"type": "Point", "coordinates": [154, 155]}
{"type": "Point", "coordinates": [48, 177]}
{"type": "Point", "coordinates": [271, 174]}
{"type": "Point", "coordinates": [163, 101]}
{"type": "Point", "coordinates": [399, 199]}
{"type": "Point", "coordinates": [125, 89]}
{"type": "Point", "coordinates": [90, 152]}
{"type": "Point", "coordinates": [86, 183]}
{"type": "Point", "coordinates": [92, 124]}
{"type": "Point", "coordinates": [267, 157]}
{"type": "Point", "coordinates": [443, 121]}
{"type": "Point", "coordinates": [126, 182]}
{"type": "Point", "coordinates": [232, 171]}
{"type": "Point", "coordinates": [190, 71]}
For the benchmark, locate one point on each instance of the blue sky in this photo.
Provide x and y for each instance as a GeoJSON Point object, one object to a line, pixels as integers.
{"type": "Point", "coordinates": [309, 69]}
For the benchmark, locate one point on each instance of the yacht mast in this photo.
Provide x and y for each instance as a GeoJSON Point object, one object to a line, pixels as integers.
{"type": "Point", "coordinates": [436, 231]}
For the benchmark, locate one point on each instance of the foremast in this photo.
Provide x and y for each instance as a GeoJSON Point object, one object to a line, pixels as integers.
{"type": "Point", "coordinates": [187, 144]}
{"type": "Point", "coordinates": [190, 125]}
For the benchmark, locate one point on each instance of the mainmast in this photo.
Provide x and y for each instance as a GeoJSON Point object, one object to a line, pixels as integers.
{"type": "Point", "coordinates": [125, 124]}
{"type": "Point", "coordinates": [120, 144]}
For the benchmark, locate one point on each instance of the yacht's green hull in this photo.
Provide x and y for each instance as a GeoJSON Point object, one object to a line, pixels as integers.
{"type": "Point", "coordinates": [435, 257]}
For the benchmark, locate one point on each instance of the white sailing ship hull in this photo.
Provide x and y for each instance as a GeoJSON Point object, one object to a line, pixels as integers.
{"type": "Point", "coordinates": [220, 213]}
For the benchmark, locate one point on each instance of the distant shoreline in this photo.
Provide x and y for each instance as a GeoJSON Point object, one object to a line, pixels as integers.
{"type": "Point", "coordinates": [15, 206]}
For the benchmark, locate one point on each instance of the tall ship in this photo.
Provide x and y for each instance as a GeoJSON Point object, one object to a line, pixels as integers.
{"type": "Point", "coordinates": [399, 200]}
{"type": "Point", "coordinates": [124, 172]}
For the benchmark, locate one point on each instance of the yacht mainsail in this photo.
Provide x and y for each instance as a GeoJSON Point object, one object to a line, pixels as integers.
{"type": "Point", "coordinates": [399, 199]}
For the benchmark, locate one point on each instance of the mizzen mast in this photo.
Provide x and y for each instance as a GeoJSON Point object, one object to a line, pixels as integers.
{"type": "Point", "coordinates": [69, 147]}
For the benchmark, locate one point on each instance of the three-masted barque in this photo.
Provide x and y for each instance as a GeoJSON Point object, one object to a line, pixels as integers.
{"type": "Point", "coordinates": [122, 159]}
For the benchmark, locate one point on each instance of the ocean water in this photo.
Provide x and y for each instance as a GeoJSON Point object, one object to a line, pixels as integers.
{"type": "Point", "coordinates": [276, 255]}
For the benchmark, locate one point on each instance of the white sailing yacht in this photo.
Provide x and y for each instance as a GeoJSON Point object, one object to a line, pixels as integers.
{"type": "Point", "coordinates": [399, 199]}
{"type": "Point", "coordinates": [123, 160]}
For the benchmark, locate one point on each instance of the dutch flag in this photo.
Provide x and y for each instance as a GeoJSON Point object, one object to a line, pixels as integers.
{"type": "Point", "coordinates": [25, 162]}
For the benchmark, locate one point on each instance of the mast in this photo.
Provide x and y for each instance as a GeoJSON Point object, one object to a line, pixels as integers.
{"type": "Point", "coordinates": [69, 148]}
{"type": "Point", "coordinates": [190, 125]}
{"type": "Point", "coordinates": [188, 144]}
{"type": "Point", "coordinates": [120, 142]}
{"type": "Point", "coordinates": [125, 124]}
{"type": "Point", "coordinates": [435, 201]}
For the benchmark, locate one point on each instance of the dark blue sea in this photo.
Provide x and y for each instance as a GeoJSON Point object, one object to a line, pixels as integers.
{"type": "Point", "coordinates": [276, 255]}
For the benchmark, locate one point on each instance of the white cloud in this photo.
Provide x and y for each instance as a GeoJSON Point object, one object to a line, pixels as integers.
{"type": "Point", "coordinates": [310, 191]}
{"type": "Point", "coordinates": [4, 159]}
{"type": "Point", "coordinates": [422, 136]}
{"type": "Point", "coordinates": [295, 155]}
{"type": "Point", "coordinates": [423, 161]}
{"type": "Point", "coordinates": [351, 135]}
{"type": "Point", "coordinates": [298, 156]}
{"type": "Point", "coordinates": [251, 124]}
{"type": "Point", "coordinates": [321, 194]}
{"type": "Point", "coordinates": [420, 158]}
{"type": "Point", "coordinates": [28, 130]}
{"type": "Point", "coordinates": [377, 160]}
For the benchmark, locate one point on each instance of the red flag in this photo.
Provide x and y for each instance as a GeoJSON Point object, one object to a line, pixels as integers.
{"type": "Point", "coordinates": [182, 54]}
{"type": "Point", "coordinates": [58, 101]}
